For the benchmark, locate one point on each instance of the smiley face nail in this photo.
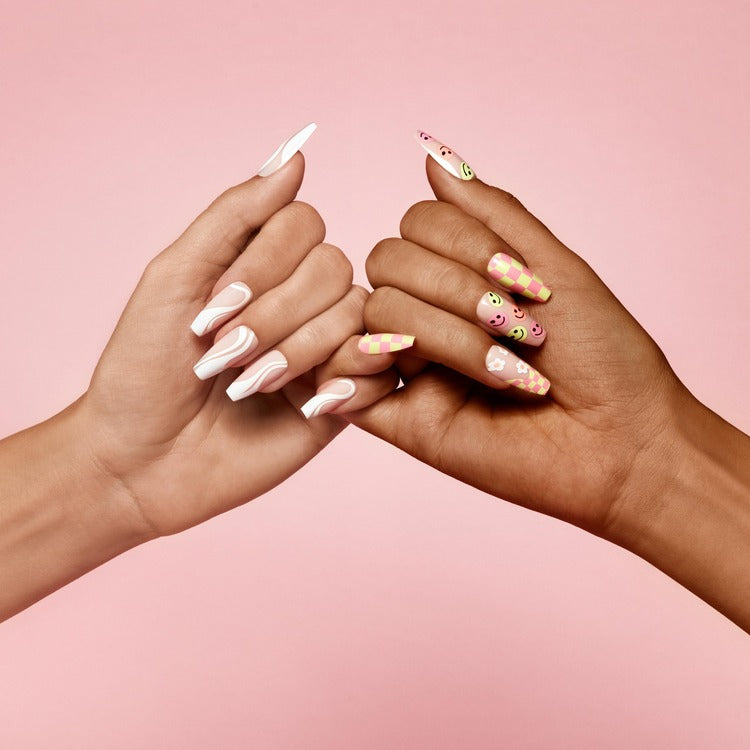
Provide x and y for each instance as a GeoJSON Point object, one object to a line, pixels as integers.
{"type": "Point", "coordinates": [446, 157]}
{"type": "Point", "coordinates": [500, 317]}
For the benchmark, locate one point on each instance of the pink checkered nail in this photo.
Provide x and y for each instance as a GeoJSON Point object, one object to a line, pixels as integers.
{"type": "Point", "coordinates": [514, 275]}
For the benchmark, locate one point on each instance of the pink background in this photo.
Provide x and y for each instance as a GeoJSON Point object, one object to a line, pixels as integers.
{"type": "Point", "coordinates": [418, 613]}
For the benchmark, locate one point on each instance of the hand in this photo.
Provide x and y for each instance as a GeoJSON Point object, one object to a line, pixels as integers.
{"type": "Point", "coordinates": [614, 447]}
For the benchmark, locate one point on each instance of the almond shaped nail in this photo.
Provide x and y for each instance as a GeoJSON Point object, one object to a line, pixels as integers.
{"type": "Point", "coordinates": [508, 367]}
{"type": "Point", "coordinates": [499, 316]}
{"type": "Point", "coordinates": [446, 157]}
{"type": "Point", "coordinates": [329, 397]}
{"type": "Point", "coordinates": [264, 371]}
{"type": "Point", "coordinates": [221, 307]}
{"type": "Point", "coordinates": [514, 276]}
{"type": "Point", "coordinates": [380, 343]}
{"type": "Point", "coordinates": [286, 150]}
{"type": "Point", "coordinates": [227, 350]}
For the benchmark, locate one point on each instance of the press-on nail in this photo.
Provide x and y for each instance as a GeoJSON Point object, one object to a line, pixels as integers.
{"type": "Point", "coordinates": [287, 150]}
{"type": "Point", "coordinates": [506, 366]}
{"type": "Point", "coordinates": [221, 307]}
{"type": "Point", "coordinates": [448, 159]}
{"type": "Point", "coordinates": [500, 316]}
{"type": "Point", "coordinates": [514, 275]}
{"type": "Point", "coordinates": [261, 373]}
{"type": "Point", "coordinates": [329, 397]}
{"type": "Point", "coordinates": [378, 343]}
{"type": "Point", "coordinates": [227, 350]}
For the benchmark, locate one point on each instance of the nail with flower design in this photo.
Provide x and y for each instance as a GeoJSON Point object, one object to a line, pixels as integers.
{"type": "Point", "coordinates": [508, 367]}
{"type": "Point", "coordinates": [448, 159]}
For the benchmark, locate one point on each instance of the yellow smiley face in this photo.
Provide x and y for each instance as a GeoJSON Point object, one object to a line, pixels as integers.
{"type": "Point", "coordinates": [466, 171]}
{"type": "Point", "coordinates": [495, 299]}
{"type": "Point", "coordinates": [519, 333]}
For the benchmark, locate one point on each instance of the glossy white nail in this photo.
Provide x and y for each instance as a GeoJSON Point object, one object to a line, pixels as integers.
{"type": "Point", "coordinates": [227, 350]}
{"type": "Point", "coordinates": [286, 150]}
{"type": "Point", "coordinates": [221, 307]}
{"type": "Point", "coordinates": [261, 373]}
{"type": "Point", "coordinates": [329, 398]}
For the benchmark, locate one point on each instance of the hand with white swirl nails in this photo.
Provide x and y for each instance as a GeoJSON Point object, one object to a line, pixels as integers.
{"type": "Point", "coordinates": [197, 403]}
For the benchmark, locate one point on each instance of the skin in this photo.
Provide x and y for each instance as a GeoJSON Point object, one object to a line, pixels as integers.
{"type": "Point", "coordinates": [150, 449]}
{"type": "Point", "coordinates": [618, 447]}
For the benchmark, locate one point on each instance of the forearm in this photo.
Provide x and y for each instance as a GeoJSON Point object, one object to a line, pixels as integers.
{"type": "Point", "coordinates": [59, 515]}
{"type": "Point", "coordinates": [696, 528]}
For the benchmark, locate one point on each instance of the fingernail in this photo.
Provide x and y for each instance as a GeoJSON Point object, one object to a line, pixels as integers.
{"type": "Point", "coordinates": [514, 275]}
{"type": "Point", "coordinates": [329, 397]}
{"type": "Point", "coordinates": [378, 343]}
{"type": "Point", "coordinates": [287, 150]}
{"type": "Point", "coordinates": [261, 373]}
{"type": "Point", "coordinates": [448, 159]}
{"type": "Point", "coordinates": [509, 368]}
{"type": "Point", "coordinates": [228, 301]}
{"type": "Point", "coordinates": [500, 316]}
{"type": "Point", "coordinates": [225, 351]}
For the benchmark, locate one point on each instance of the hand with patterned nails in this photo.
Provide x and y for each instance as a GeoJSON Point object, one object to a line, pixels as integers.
{"type": "Point", "coordinates": [614, 444]}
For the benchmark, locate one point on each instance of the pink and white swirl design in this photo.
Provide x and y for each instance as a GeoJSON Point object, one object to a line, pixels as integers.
{"type": "Point", "coordinates": [219, 309]}
{"type": "Point", "coordinates": [286, 150]}
{"type": "Point", "coordinates": [329, 398]}
{"type": "Point", "coordinates": [264, 371]}
{"type": "Point", "coordinates": [226, 351]}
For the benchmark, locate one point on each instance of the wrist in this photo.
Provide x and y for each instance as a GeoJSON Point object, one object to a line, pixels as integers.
{"type": "Point", "coordinates": [62, 515]}
{"type": "Point", "coordinates": [687, 508]}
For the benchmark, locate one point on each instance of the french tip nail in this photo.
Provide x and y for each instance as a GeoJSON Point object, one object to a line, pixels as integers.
{"type": "Point", "coordinates": [381, 343]}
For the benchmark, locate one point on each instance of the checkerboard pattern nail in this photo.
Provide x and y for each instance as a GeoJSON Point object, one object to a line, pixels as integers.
{"type": "Point", "coordinates": [515, 276]}
{"type": "Point", "coordinates": [535, 382]}
{"type": "Point", "coordinates": [379, 343]}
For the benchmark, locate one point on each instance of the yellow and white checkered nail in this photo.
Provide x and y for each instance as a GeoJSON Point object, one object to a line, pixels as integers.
{"type": "Point", "coordinates": [380, 343]}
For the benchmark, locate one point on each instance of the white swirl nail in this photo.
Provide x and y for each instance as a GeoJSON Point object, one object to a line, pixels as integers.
{"type": "Point", "coordinates": [329, 398]}
{"type": "Point", "coordinates": [286, 150]}
{"type": "Point", "coordinates": [261, 373]}
{"type": "Point", "coordinates": [228, 301]}
{"type": "Point", "coordinates": [225, 351]}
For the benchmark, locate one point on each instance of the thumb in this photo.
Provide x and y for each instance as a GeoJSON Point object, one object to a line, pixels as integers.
{"type": "Point", "coordinates": [454, 181]}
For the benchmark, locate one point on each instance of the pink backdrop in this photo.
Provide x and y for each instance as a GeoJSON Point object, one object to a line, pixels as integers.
{"type": "Point", "coordinates": [418, 613]}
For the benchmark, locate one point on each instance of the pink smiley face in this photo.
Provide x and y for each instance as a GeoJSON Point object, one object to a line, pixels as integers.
{"type": "Point", "coordinates": [497, 320]}
{"type": "Point", "coordinates": [537, 330]}
{"type": "Point", "coordinates": [425, 136]}
{"type": "Point", "coordinates": [518, 313]}
{"type": "Point", "coordinates": [445, 151]}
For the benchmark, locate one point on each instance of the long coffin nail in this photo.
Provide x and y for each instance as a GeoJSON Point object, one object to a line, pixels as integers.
{"type": "Point", "coordinates": [448, 159]}
{"type": "Point", "coordinates": [287, 150]}
{"type": "Point", "coordinates": [501, 317]}
{"type": "Point", "coordinates": [329, 397]}
{"type": "Point", "coordinates": [227, 350]}
{"type": "Point", "coordinates": [227, 302]}
{"type": "Point", "coordinates": [509, 368]}
{"type": "Point", "coordinates": [513, 275]}
{"type": "Point", "coordinates": [261, 373]}
{"type": "Point", "coordinates": [378, 343]}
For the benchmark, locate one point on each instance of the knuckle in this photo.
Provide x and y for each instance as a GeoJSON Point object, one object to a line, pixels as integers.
{"type": "Point", "coordinates": [308, 216]}
{"type": "Point", "coordinates": [334, 262]}
{"type": "Point", "coordinates": [380, 258]}
{"type": "Point", "coordinates": [356, 299]}
{"type": "Point", "coordinates": [416, 213]}
{"type": "Point", "coordinates": [377, 307]}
